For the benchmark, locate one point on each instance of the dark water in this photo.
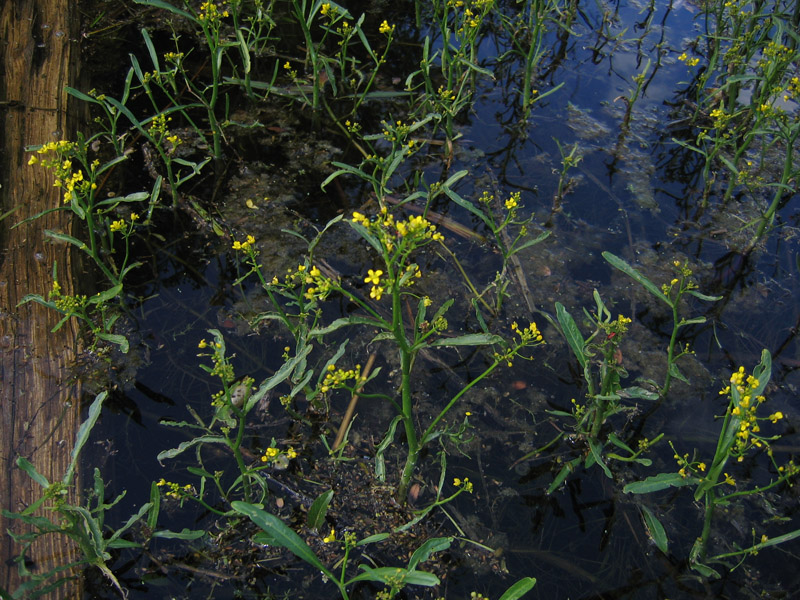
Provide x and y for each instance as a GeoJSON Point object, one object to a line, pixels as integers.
{"type": "Point", "coordinates": [635, 195]}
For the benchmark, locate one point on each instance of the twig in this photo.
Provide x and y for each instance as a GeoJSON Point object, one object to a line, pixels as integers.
{"type": "Point", "coordinates": [351, 408]}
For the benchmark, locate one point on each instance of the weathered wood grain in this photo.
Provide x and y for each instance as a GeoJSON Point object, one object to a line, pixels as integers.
{"type": "Point", "coordinates": [38, 404]}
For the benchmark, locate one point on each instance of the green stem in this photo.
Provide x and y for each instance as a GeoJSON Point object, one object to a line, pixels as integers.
{"type": "Point", "coordinates": [406, 362]}
{"type": "Point", "coordinates": [671, 348]}
{"type": "Point", "coordinates": [710, 500]}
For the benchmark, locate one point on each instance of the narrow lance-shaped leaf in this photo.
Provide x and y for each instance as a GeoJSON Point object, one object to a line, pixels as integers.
{"type": "Point", "coordinates": [519, 589]}
{"type": "Point", "coordinates": [83, 435]}
{"type": "Point", "coordinates": [280, 533]}
{"type": "Point", "coordinates": [572, 333]}
{"type": "Point", "coordinates": [651, 287]}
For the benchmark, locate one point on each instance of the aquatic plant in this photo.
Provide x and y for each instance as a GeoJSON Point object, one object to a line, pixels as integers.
{"type": "Point", "coordinates": [227, 426]}
{"type": "Point", "coordinates": [83, 525]}
{"type": "Point", "coordinates": [276, 533]}
{"type": "Point", "coordinates": [670, 293]}
{"type": "Point", "coordinates": [78, 175]}
{"type": "Point", "coordinates": [526, 29]}
{"type": "Point", "coordinates": [395, 241]}
{"type": "Point", "coordinates": [446, 81]}
{"type": "Point", "coordinates": [600, 361]}
{"type": "Point", "coordinates": [746, 93]}
{"type": "Point", "coordinates": [740, 434]}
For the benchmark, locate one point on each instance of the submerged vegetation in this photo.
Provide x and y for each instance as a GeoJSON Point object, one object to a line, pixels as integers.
{"type": "Point", "coordinates": [415, 282]}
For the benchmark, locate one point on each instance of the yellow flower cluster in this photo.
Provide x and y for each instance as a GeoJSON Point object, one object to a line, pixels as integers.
{"type": "Point", "coordinates": [319, 286]}
{"type": "Point", "coordinates": [57, 156]}
{"type": "Point", "coordinates": [513, 202]}
{"type": "Point", "coordinates": [66, 304]}
{"type": "Point", "coordinates": [274, 454]}
{"type": "Point", "coordinates": [385, 28]}
{"type": "Point", "coordinates": [245, 245]}
{"type": "Point", "coordinates": [530, 334]}
{"type": "Point", "coordinates": [465, 484]}
{"type": "Point", "coordinates": [338, 378]}
{"type": "Point", "coordinates": [745, 406]}
{"type": "Point", "coordinates": [688, 467]}
{"type": "Point", "coordinates": [690, 62]}
{"type": "Point", "coordinates": [683, 282]}
{"type": "Point", "coordinates": [209, 13]}
{"type": "Point", "coordinates": [158, 126]}
{"type": "Point", "coordinates": [119, 224]}
{"type": "Point", "coordinates": [222, 368]}
{"type": "Point", "coordinates": [175, 490]}
{"type": "Point", "coordinates": [413, 232]}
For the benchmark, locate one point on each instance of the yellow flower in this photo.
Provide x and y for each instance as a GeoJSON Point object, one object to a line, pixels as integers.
{"type": "Point", "coordinates": [465, 484]}
{"type": "Point", "coordinates": [376, 292]}
{"type": "Point", "coordinates": [729, 480]}
{"type": "Point", "coordinates": [202, 344]}
{"type": "Point", "coordinates": [775, 417]}
{"type": "Point", "coordinates": [373, 277]}
{"type": "Point", "coordinates": [385, 28]}
{"type": "Point", "coordinates": [117, 225]}
{"type": "Point", "coordinates": [331, 537]}
{"type": "Point", "coordinates": [134, 217]}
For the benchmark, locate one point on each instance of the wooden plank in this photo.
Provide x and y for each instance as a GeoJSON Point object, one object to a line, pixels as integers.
{"type": "Point", "coordinates": [38, 403]}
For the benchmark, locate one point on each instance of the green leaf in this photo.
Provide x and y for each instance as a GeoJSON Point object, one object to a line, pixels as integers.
{"type": "Point", "coordinates": [167, 6]}
{"type": "Point", "coordinates": [651, 287]}
{"type": "Point", "coordinates": [344, 322]}
{"type": "Point", "coordinates": [531, 242]}
{"type": "Point", "coordinates": [155, 506]}
{"type": "Point", "coordinates": [24, 464]}
{"type": "Point", "coordinates": [597, 453]}
{"type": "Point", "coordinates": [280, 533]}
{"type": "Point", "coordinates": [63, 237]}
{"type": "Point", "coordinates": [151, 49]}
{"type": "Point", "coordinates": [619, 443]}
{"type": "Point", "coordinates": [655, 530]}
{"type": "Point", "coordinates": [279, 377]}
{"type": "Point", "coordinates": [114, 338]}
{"type": "Point", "coordinates": [424, 552]}
{"type": "Point", "coordinates": [563, 474]}
{"type": "Point", "coordinates": [675, 372]}
{"type": "Point", "coordinates": [659, 482]}
{"type": "Point", "coordinates": [183, 534]}
{"type": "Point", "coordinates": [373, 539]}
{"type": "Point", "coordinates": [83, 436]}
{"type": "Point", "coordinates": [319, 509]}
{"type": "Point", "coordinates": [135, 197]}
{"type": "Point", "coordinates": [519, 589]}
{"type": "Point", "coordinates": [80, 95]}
{"type": "Point", "coordinates": [468, 205]}
{"type": "Point", "coordinates": [391, 574]}
{"type": "Point", "coordinates": [106, 295]}
{"type": "Point", "coordinates": [572, 333]}
{"type": "Point", "coordinates": [637, 392]}
{"type": "Point", "coordinates": [184, 446]}
{"type": "Point", "coordinates": [380, 464]}
{"type": "Point", "coordinates": [128, 524]}
{"type": "Point", "coordinates": [470, 339]}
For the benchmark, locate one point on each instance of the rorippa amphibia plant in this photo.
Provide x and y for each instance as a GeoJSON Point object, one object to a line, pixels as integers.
{"type": "Point", "coordinates": [714, 479]}
{"type": "Point", "coordinates": [391, 283]}
{"type": "Point", "coordinates": [77, 174]}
